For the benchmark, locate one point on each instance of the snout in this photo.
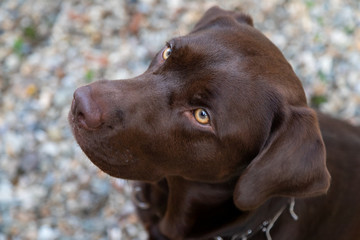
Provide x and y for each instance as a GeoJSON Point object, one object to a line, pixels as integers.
{"type": "Point", "coordinates": [107, 120]}
{"type": "Point", "coordinates": [86, 112]}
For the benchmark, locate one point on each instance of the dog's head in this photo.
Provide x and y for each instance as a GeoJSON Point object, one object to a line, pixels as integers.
{"type": "Point", "coordinates": [217, 104]}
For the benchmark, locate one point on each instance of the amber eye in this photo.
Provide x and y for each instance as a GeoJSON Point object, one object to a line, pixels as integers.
{"type": "Point", "coordinates": [201, 116]}
{"type": "Point", "coordinates": [166, 53]}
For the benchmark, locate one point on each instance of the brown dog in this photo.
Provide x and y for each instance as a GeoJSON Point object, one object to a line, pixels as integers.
{"type": "Point", "coordinates": [219, 133]}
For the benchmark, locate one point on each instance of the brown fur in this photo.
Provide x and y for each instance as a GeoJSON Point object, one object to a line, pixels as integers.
{"type": "Point", "coordinates": [262, 147]}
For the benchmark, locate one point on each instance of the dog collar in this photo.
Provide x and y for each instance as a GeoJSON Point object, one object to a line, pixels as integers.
{"type": "Point", "coordinates": [135, 198]}
{"type": "Point", "coordinates": [265, 226]}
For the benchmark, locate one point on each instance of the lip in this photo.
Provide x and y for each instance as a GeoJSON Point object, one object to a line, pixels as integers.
{"type": "Point", "coordinates": [93, 143]}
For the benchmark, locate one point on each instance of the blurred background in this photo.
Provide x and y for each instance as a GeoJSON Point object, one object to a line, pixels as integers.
{"type": "Point", "coordinates": [48, 189]}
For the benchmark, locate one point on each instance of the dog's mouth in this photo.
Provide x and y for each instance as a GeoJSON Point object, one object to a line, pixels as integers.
{"type": "Point", "coordinates": [101, 146]}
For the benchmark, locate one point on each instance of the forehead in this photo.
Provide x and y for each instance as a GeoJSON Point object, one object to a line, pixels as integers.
{"type": "Point", "coordinates": [224, 58]}
{"type": "Point", "coordinates": [226, 41]}
{"type": "Point", "coordinates": [208, 41]}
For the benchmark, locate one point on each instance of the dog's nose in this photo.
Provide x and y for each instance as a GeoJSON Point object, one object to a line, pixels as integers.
{"type": "Point", "coordinates": [85, 109]}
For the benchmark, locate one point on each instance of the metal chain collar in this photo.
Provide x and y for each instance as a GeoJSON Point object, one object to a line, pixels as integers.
{"type": "Point", "coordinates": [265, 226]}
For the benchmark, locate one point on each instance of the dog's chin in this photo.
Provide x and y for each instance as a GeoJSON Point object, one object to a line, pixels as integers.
{"type": "Point", "coordinates": [126, 169]}
{"type": "Point", "coordinates": [122, 165]}
{"type": "Point", "coordinates": [119, 170]}
{"type": "Point", "coordinates": [111, 157]}
{"type": "Point", "coordinates": [99, 148]}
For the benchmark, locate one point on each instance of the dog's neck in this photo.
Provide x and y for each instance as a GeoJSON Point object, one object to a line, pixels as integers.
{"type": "Point", "coordinates": [187, 217]}
{"type": "Point", "coordinates": [186, 213]}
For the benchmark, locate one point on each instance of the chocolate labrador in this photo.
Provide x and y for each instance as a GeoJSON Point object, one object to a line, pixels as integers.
{"type": "Point", "coordinates": [220, 140]}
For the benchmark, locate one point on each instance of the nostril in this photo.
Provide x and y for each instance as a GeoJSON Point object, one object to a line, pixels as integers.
{"type": "Point", "coordinates": [80, 116]}
{"type": "Point", "coordinates": [85, 109]}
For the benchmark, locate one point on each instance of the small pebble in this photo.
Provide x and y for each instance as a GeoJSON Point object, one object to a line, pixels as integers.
{"type": "Point", "coordinates": [12, 62]}
{"type": "Point", "coordinates": [47, 233]}
{"type": "Point", "coordinates": [6, 191]}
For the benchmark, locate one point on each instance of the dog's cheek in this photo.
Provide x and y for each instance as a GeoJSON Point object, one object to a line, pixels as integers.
{"type": "Point", "coordinates": [203, 161]}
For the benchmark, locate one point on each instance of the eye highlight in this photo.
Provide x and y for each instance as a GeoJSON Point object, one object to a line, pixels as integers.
{"type": "Point", "coordinates": [201, 116]}
{"type": "Point", "coordinates": [166, 53]}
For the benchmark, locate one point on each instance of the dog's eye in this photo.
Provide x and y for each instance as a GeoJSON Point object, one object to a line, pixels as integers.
{"type": "Point", "coordinates": [166, 53]}
{"type": "Point", "coordinates": [201, 116]}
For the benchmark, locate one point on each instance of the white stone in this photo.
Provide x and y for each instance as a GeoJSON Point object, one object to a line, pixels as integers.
{"type": "Point", "coordinates": [340, 38]}
{"type": "Point", "coordinates": [6, 192]}
{"type": "Point", "coordinates": [326, 64]}
{"type": "Point", "coordinates": [50, 149]}
{"type": "Point", "coordinates": [114, 234]}
{"type": "Point", "coordinates": [47, 233]}
{"type": "Point", "coordinates": [12, 62]}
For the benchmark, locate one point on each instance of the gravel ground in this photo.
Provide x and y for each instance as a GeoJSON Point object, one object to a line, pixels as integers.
{"type": "Point", "coordinates": [48, 189]}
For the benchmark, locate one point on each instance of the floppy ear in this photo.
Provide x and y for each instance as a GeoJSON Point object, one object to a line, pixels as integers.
{"type": "Point", "coordinates": [213, 14]}
{"type": "Point", "coordinates": [292, 163]}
